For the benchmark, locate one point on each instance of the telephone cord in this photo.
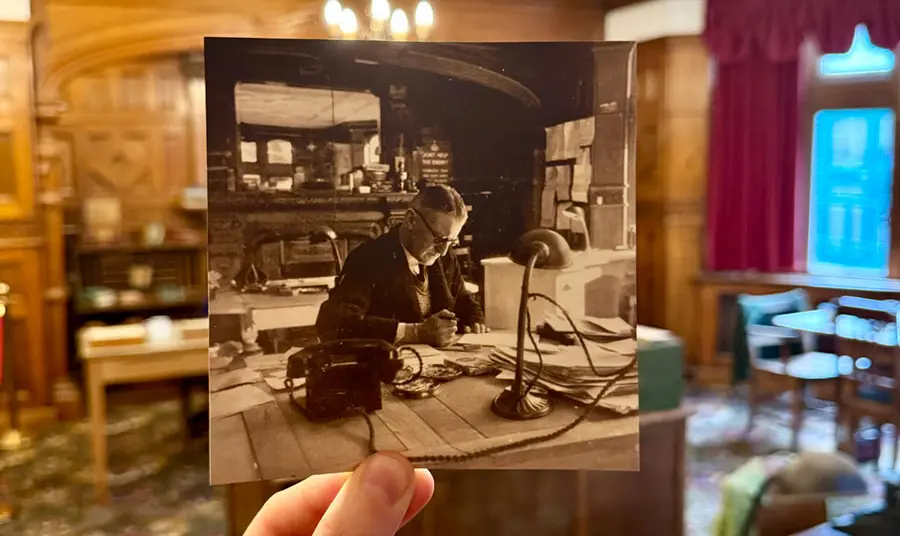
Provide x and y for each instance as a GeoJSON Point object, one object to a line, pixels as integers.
{"type": "Point", "coordinates": [619, 374]}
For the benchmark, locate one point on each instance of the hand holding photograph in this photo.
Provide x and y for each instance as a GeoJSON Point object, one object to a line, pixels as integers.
{"type": "Point", "coordinates": [423, 248]}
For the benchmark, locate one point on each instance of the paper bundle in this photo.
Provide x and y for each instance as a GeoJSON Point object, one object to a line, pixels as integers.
{"type": "Point", "coordinates": [568, 373]}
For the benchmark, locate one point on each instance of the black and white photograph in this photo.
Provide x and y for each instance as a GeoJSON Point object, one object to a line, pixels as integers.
{"type": "Point", "coordinates": [426, 248]}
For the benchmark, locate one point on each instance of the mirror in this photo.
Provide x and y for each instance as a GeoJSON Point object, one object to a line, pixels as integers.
{"type": "Point", "coordinates": [301, 138]}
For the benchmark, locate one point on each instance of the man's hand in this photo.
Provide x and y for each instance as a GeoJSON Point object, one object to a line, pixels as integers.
{"type": "Point", "coordinates": [476, 328]}
{"type": "Point", "coordinates": [381, 496]}
{"type": "Point", "coordinates": [438, 330]}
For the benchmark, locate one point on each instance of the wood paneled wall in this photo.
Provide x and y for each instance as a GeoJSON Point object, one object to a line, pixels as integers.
{"type": "Point", "coordinates": [113, 113]}
{"type": "Point", "coordinates": [672, 130]}
{"type": "Point", "coordinates": [128, 133]}
{"type": "Point", "coordinates": [24, 264]}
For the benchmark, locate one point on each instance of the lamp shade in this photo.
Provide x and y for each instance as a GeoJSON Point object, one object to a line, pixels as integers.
{"type": "Point", "coordinates": [574, 212]}
{"type": "Point", "coordinates": [553, 252]}
{"type": "Point", "coordinates": [323, 234]}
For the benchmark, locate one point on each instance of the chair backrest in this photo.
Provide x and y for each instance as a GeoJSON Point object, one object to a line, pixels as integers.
{"type": "Point", "coordinates": [760, 309]}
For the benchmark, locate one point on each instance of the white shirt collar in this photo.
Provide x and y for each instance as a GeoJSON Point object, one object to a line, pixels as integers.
{"type": "Point", "coordinates": [414, 264]}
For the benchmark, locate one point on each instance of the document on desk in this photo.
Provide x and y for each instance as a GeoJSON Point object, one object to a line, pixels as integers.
{"type": "Point", "coordinates": [219, 382]}
{"type": "Point", "coordinates": [269, 361]}
{"type": "Point", "coordinates": [505, 338]}
{"type": "Point", "coordinates": [236, 400]}
{"type": "Point", "coordinates": [429, 354]}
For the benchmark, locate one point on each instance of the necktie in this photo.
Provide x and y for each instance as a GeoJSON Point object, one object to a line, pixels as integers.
{"type": "Point", "coordinates": [421, 275]}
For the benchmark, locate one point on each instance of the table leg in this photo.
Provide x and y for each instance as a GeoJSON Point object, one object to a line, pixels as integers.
{"type": "Point", "coordinates": [97, 403]}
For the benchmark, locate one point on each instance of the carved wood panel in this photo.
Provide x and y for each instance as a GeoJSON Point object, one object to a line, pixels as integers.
{"type": "Point", "coordinates": [128, 134]}
{"type": "Point", "coordinates": [16, 184]}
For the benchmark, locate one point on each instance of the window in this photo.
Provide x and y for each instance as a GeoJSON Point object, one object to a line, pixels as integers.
{"type": "Point", "coordinates": [852, 121]}
{"type": "Point", "coordinates": [863, 58]}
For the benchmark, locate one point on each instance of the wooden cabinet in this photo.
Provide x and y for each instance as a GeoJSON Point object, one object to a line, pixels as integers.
{"type": "Point", "coordinates": [672, 131]}
{"type": "Point", "coordinates": [592, 286]}
{"type": "Point", "coordinates": [22, 244]}
{"type": "Point", "coordinates": [16, 174]}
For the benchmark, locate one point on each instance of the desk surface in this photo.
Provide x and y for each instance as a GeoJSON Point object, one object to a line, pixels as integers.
{"type": "Point", "coordinates": [582, 259]}
{"type": "Point", "coordinates": [274, 441]}
{"type": "Point", "coordinates": [229, 303]}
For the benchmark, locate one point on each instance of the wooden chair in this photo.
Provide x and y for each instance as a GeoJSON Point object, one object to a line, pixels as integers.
{"type": "Point", "coordinates": [778, 357]}
{"type": "Point", "coordinates": [869, 388]}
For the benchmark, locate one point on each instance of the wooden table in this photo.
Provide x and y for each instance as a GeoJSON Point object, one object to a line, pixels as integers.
{"type": "Point", "coordinates": [120, 354]}
{"type": "Point", "coordinates": [649, 502]}
{"type": "Point", "coordinates": [713, 346]}
{"type": "Point", "coordinates": [274, 441]}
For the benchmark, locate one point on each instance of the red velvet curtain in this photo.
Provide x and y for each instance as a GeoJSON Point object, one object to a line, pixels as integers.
{"type": "Point", "coordinates": [753, 137]}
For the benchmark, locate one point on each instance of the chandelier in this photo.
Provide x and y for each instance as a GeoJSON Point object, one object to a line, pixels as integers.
{"type": "Point", "coordinates": [384, 22]}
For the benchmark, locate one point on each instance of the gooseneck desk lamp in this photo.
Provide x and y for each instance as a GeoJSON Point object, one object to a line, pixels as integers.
{"type": "Point", "coordinates": [327, 234]}
{"type": "Point", "coordinates": [576, 213]}
{"type": "Point", "coordinates": [546, 250]}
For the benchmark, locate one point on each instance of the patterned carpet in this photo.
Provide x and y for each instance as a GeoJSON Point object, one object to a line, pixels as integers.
{"type": "Point", "coordinates": [160, 482]}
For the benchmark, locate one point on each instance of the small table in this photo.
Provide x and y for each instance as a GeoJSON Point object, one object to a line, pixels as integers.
{"type": "Point", "coordinates": [121, 354]}
{"type": "Point", "coordinates": [273, 441]}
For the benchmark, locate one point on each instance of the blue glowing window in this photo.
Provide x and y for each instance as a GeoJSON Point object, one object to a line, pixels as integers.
{"type": "Point", "coordinates": [863, 58]}
{"type": "Point", "coordinates": [851, 177]}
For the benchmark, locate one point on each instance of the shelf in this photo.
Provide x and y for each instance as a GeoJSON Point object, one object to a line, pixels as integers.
{"type": "Point", "coordinates": [193, 298]}
{"type": "Point", "coordinates": [98, 249]}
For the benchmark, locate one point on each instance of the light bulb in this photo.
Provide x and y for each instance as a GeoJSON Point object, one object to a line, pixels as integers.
{"type": "Point", "coordinates": [333, 11]}
{"type": "Point", "coordinates": [399, 23]}
{"type": "Point", "coordinates": [381, 10]}
{"type": "Point", "coordinates": [348, 22]}
{"type": "Point", "coordinates": [424, 15]}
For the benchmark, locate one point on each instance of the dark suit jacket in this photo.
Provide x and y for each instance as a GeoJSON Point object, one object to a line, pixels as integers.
{"type": "Point", "coordinates": [376, 291]}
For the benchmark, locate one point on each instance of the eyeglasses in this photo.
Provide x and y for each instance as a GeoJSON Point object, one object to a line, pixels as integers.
{"type": "Point", "coordinates": [439, 240]}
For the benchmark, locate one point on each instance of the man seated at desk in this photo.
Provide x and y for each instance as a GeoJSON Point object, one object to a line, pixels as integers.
{"type": "Point", "coordinates": [405, 286]}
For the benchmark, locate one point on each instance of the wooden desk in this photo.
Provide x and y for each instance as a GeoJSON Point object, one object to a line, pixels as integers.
{"type": "Point", "coordinates": [269, 311]}
{"type": "Point", "coordinates": [274, 441]}
{"type": "Point", "coordinates": [117, 354]}
{"type": "Point", "coordinates": [649, 502]}
{"type": "Point", "coordinates": [591, 286]}
{"type": "Point", "coordinates": [714, 359]}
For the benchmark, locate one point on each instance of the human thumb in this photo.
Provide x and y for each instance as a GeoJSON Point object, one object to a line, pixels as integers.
{"type": "Point", "coordinates": [373, 501]}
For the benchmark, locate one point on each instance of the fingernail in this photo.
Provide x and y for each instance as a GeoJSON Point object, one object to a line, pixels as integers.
{"type": "Point", "coordinates": [387, 474]}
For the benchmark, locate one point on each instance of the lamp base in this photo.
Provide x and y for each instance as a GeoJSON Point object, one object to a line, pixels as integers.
{"type": "Point", "coordinates": [533, 405]}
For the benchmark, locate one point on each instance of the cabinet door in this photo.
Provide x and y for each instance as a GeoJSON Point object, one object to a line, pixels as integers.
{"type": "Point", "coordinates": [21, 270]}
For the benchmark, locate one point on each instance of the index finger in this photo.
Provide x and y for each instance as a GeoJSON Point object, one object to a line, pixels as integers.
{"type": "Point", "coordinates": [298, 509]}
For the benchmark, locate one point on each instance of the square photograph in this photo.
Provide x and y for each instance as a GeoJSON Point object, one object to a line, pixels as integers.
{"type": "Point", "coordinates": [427, 248]}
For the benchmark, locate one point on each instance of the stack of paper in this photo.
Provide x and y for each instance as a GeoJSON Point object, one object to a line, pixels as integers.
{"type": "Point", "coordinates": [569, 373]}
{"type": "Point", "coordinates": [605, 330]}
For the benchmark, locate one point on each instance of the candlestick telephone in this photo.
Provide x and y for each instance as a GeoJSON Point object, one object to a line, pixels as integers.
{"type": "Point", "coordinates": [344, 377]}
